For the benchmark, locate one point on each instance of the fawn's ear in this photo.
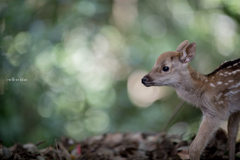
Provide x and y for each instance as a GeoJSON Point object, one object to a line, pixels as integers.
{"type": "Point", "coordinates": [182, 46]}
{"type": "Point", "coordinates": [188, 53]}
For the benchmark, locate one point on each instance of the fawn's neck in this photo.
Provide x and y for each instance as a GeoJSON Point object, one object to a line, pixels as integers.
{"type": "Point", "coordinates": [190, 86]}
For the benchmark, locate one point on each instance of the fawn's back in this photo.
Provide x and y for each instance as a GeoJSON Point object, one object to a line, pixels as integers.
{"type": "Point", "coordinates": [225, 84]}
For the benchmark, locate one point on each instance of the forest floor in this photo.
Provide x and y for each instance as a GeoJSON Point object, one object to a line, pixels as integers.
{"type": "Point", "coordinates": [120, 146]}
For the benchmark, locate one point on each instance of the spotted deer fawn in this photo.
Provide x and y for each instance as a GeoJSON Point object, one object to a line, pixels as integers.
{"type": "Point", "coordinates": [216, 94]}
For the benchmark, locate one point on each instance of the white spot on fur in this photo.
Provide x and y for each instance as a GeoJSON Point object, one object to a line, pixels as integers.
{"type": "Point", "coordinates": [218, 96]}
{"type": "Point", "coordinates": [229, 73]}
{"type": "Point", "coordinates": [235, 64]}
{"type": "Point", "coordinates": [212, 85]}
{"type": "Point", "coordinates": [221, 74]}
{"type": "Point", "coordinates": [235, 86]}
{"type": "Point", "coordinates": [234, 72]}
{"type": "Point", "coordinates": [206, 80]}
{"type": "Point", "coordinates": [230, 81]}
{"type": "Point", "coordinates": [212, 77]}
{"type": "Point", "coordinates": [219, 83]}
{"type": "Point", "coordinates": [221, 102]}
{"type": "Point", "coordinates": [226, 83]}
{"type": "Point", "coordinates": [229, 66]}
{"type": "Point", "coordinates": [231, 93]}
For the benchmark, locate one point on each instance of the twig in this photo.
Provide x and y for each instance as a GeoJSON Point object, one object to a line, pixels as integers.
{"type": "Point", "coordinates": [39, 143]}
{"type": "Point", "coordinates": [57, 149]}
{"type": "Point", "coordinates": [64, 149]}
{"type": "Point", "coordinates": [177, 109]}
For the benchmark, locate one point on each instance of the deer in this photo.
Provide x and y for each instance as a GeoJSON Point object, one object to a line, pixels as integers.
{"type": "Point", "coordinates": [216, 94]}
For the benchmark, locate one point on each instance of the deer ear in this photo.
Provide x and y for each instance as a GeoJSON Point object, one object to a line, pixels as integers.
{"type": "Point", "coordinates": [188, 53]}
{"type": "Point", "coordinates": [182, 46]}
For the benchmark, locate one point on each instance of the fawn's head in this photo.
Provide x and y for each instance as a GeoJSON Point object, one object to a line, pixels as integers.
{"type": "Point", "coordinates": [171, 66]}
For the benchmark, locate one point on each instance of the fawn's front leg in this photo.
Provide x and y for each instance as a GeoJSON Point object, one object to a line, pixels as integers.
{"type": "Point", "coordinates": [207, 128]}
{"type": "Point", "coordinates": [233, 124]}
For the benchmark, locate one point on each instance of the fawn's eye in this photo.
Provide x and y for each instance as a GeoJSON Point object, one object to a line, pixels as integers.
{"type": "Point", "coordinates": [165, 68]}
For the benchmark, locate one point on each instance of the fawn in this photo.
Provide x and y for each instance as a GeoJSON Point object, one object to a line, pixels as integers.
{"type": "Point", "coordinates": [216, 94]}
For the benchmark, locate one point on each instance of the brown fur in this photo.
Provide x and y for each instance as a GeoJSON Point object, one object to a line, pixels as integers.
{"type": "Point", "coordinates": [216, 94]}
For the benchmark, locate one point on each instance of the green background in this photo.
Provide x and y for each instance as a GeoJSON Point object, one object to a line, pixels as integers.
{"type": "Point", "coordinates": [82, 62]}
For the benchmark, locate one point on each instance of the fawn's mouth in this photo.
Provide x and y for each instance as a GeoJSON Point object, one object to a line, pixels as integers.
{"type": "Point", "coordinates": [148, 84]}
{"type": "Point", "coordinates": [147, 81]}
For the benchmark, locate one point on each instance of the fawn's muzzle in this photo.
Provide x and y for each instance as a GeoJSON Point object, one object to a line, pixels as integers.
{"type": "Point", "coordinates": [146, 80]}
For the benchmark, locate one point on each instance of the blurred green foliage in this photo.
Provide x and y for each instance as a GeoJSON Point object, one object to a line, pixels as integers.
{"type": "Point", "coordinates": [81, 63]}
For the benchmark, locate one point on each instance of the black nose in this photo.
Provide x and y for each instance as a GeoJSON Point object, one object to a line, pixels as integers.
{"type": "Point", "coordinates": [144, 80]}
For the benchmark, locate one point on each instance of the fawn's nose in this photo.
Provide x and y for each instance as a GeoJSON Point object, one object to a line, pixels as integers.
{"type": "Point", "coordinates": [144, 79]}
